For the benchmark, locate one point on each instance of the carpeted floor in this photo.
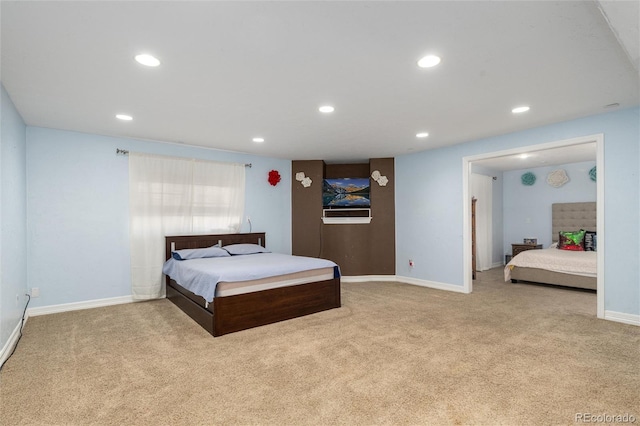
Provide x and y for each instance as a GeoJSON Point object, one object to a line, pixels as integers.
{"type": "Point", "coordinates": [393, 354]}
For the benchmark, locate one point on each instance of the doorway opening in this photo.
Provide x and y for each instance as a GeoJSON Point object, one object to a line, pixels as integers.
{"type": "Point", "coordinates": [467, 162]}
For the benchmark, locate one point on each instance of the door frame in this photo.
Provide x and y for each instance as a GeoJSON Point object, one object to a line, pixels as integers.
{"type": "Point", "coordinates": [466, 203]}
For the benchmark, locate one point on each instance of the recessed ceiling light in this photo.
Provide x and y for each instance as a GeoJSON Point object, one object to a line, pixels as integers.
{"type": "Point", "coordinates": [124, 117]}
{"type": "Point", "coordinates": [429, 61]}
{"type": "Point", "coordinates": [258, 139]}
{"type": "Point", "coordinates": [326, 109]}
{"type": "Point", "coordinates": [520, 109]}
{"type": "Point", "coordinates": [148, 60]}
{"type": "Point", "coordinates": [422, 135]}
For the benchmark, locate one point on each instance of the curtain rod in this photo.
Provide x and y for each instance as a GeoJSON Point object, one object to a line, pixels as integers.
{"type": "Point", "coordinates": [126, 152]}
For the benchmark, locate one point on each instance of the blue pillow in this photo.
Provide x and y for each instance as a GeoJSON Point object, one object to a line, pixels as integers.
{"type": "Point", "coordinates": [213, 251]}
{"type": "Point", "coordinates": [235, 249]}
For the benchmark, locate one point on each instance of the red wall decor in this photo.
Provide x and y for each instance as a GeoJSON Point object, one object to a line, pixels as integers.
{"type": "Point", "coordinates": [274, 177]}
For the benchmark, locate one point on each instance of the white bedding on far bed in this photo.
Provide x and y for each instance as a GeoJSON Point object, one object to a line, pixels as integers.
{"type": "Point", "coordinates": [581, 263]}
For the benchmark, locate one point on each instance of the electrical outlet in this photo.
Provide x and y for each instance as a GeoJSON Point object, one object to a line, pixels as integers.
{"type": "Point", "coordinates": [248, 219]}
{"type": "Point", "coordinates": [35, 292]}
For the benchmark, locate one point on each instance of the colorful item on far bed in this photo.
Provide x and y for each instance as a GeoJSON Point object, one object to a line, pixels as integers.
{"type": "Point", "coordinates": [571, 240]}
{"type": "Point", "coordinates": [590, 241]}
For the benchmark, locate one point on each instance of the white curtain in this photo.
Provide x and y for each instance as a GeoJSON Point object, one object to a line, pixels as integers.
{"type": "Point", "coordinates": [177, 196]}
{"type": "Point", "coordinates": [482, 190]}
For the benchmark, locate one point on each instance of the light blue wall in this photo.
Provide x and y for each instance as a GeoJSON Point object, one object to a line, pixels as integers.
{"type": "Point", "coordinates": [77, 204]}
{"type": "Point", "coordinates": [527, 209]}
{"type": "Point", "coordinates": [429, 220]}
{"type": "Point", "coordinates": [429, 215]}
{"type": "Point", "coordinates": [78, 220]}
{"type": "Point", "coordinates": [13, 213]}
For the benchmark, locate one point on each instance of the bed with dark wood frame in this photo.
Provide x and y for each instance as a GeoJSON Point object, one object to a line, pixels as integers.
{"type": "Point", "coordinates": [239, 312]}
{"type": "Point", "coordinates": [565, 217]}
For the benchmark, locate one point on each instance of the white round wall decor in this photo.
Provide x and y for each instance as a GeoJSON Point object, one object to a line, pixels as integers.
{"type": "Point", "coordinates": [382, 180]}
{"type": "Point", "coordinates": [557, 178]}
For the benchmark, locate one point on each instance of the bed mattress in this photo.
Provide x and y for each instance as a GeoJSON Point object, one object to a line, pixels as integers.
{"type": "Point", "coordinates": [226, 276]}
{"type": "Point", "coordinates": [240, 287]}
{"type": "Point", "coordinates": [582, 263]}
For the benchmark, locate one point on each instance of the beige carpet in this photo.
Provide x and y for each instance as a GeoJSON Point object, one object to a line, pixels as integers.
{"type": "Point", "coordinates": [393, 354]}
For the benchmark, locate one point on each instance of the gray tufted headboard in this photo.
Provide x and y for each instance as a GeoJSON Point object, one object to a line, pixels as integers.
{"type": "Point", "coordinates": [572, 217]}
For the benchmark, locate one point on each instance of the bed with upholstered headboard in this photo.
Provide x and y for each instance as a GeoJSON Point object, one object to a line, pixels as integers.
{"type": "Point", "coordinates": [560, 267]}
{"type": "Point", "coordinates": [224, 304]}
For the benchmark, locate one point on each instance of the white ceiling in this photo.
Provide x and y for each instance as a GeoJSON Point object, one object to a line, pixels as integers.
{"type": "Point", "coordinates": [232, 71]}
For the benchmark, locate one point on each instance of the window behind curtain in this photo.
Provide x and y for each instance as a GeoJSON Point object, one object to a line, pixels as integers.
{"type": "Point", "coordinates": [177, 196]}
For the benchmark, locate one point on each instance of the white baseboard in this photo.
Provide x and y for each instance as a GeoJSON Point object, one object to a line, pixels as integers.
{"type": "Point", "coordinates": [432, 284]}
{"type": "Point", "coordinates": [622, 317]}
{"type": "Point", "coordinates": [405, 280]}
{"type": "Point", "coordinates": [76, 306]}
{"type": "Point", "coordinates": [365, 278]}
{"type": "Point", "coordinates": [13, 340]}
{"type": "Point", "coordinates": [54, 309]}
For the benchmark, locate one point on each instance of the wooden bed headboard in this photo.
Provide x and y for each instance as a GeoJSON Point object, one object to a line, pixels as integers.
{"type": "Point", "coordinates": [180, 242]}
{"type": "Point", "coordinates": [572, 217]}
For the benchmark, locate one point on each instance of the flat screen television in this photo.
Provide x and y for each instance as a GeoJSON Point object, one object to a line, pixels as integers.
{"type": "Point", "coordinates": [345, 193]}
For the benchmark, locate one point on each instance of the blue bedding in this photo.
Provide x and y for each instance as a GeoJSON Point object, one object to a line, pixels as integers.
{"type": "Point", "coordinates": [201, 276]}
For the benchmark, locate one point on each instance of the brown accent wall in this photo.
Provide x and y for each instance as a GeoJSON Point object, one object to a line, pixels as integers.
{"type": "Point", "coordinates": [359, 249]}
{"type": "Point", "coordinates": [383, 224]}
{"type": "Point", "coordinates": [359, 170]}
{"type": "Point", "coordinates": [306, 208]}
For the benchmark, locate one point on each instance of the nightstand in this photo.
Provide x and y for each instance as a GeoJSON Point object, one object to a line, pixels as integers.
{"type": "Point", "coordinates": [518, 248]}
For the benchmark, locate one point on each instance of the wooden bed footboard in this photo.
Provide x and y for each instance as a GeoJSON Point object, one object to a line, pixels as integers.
{"type": "Point", "coordinates": [243, 311]}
